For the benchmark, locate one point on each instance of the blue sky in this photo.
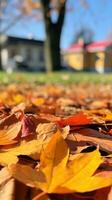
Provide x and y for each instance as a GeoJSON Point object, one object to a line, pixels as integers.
{"type": "Point", "coordinates": [97, 16]}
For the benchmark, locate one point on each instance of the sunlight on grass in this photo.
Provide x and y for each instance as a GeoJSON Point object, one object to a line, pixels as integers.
{"type": "Point", "coordinates": [56, 78]}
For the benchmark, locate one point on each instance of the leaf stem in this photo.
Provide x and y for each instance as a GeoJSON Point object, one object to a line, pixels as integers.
{"type": "Point", "coordinates": [37, 197]}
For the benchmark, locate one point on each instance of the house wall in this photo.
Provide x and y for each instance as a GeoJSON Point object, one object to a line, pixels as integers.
{"type": "Point", "coordinates": [86, 61]}
{"type": "Point", "coordinates": [32, 56]}
{"type": "Point", "coordinates": [74, 60]}
{"type": "Point", "coordinates": [108, 61]}
{"type": "Point", "coordinates": [99, 61]}
{"type": "Point", "coordinates": [29, 55]}
{"type": "Point", "coordinates": [4, 57]}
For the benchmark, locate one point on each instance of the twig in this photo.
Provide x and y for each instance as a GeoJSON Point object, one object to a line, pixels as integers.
{"type": "Point", "coordinates": [37, 197]}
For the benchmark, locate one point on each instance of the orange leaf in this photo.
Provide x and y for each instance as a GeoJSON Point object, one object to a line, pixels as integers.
{"type": "Point", "coordinates": [8, 135]}
{"type": "Point", "coordinates": [75, 120]}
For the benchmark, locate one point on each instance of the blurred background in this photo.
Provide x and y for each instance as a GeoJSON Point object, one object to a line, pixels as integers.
{"type": "Point", "coordinates": [54, 35]}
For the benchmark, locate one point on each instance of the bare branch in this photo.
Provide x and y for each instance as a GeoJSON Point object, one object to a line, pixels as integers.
{"type": "Point", "coordinates": [61, 13]}
{"type": "Point", "coordinates": [46, 11]}
{"type": "Point", "coordinates": [16, 19]}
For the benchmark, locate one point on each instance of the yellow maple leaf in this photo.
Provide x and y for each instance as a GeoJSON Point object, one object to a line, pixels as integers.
{"type": "Point", "coordinates": [31, 148]}
{"type": "Point", "coordinates": [57, 175]}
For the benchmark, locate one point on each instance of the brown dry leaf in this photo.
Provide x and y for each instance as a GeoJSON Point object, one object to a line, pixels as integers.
{"type": "Point", "coordinates": [21, 192]}
{"type": "Point", "coordinates": [7, 190]}
{"type": "Point", "coordinates": [103, 194]}
{"type": "Point", "coordinates": [98, 104]}
{"type": "Point", "coordinates": [8, 135]}
{"type": "Point", "coordinates": [56, 175]}
{"type": "Point", "coordinates": [4, 175]}
{"type": "Point", "coordinates": [90, 136]}
{"type": "Point", "coordinates": [65, 131]}
{"type": "Point", "coordinates": [6, 185]}
{"type": "Point", "coordinates": [49, 117]}
{"type": "Point", "coordinates": [46, 130]}
{"type": "Point", "coordinates": [8, 120]}
{"type": "Point", "coordinates": [64, 102]}
{"type": "Point", "coordinates": [110, 194]}
{"type": "Point", "coordinates": [25, 108]}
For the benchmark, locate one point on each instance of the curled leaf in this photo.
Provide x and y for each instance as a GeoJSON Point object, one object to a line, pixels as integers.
{"type": "Point", "coordinates": [28, 126]}
{"type": "Point", "coordinates": [8, 135]}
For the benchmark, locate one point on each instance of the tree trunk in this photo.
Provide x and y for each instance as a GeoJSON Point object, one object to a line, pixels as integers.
{"type": "Point", "coordinates": [0, 58]}
{"type": "Point", "coordinates": [53, 34]}
{"type": "Point", "coordinates": [52, 49]}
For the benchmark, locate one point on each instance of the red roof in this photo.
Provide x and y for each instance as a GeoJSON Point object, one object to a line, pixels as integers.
{"type": "Point", "coordinates": [74, 47]}
{"type": "Point", "coordinates": [100, 45]}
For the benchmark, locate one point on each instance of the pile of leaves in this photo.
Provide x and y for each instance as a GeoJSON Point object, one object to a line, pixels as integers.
{"type": "Point", "coordinates": [55, 142]}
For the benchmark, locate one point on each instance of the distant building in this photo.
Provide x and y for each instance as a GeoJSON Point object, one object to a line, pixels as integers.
{"type": "Point", "coordinates": [101, 56]}
{"type": "Point", "coordinates": [20, 53]}
{"type": "Point", "coordinates": [96, 56]}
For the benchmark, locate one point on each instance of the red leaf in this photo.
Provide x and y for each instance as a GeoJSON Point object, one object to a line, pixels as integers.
{"type": "Point", "coordinates": [28, 126]}
{"type": "Point", "coordinates": [75, 120]}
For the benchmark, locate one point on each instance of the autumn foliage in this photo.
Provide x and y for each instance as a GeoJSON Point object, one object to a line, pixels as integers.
{"type": "Point", "coordinates": [55, 142]}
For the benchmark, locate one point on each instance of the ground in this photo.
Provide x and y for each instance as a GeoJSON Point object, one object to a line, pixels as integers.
{"type": "Point", "coordinates": [55, 136]}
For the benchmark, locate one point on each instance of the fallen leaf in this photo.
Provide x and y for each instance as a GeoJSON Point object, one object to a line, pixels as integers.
{"type": "Point", "coordinates": [18, 98]}
{"type": "Point", "coordinates": [45, 130]}
{"type": "Point", "coordinates": [98, 104]}
{"type": "Point", "coordinates": [8, 135]}
{"type": "Point", "coordinates": [76, 120]}
{"type": "Point", "coordinates": [38, 101]}
{"type": "Point", "coordinates": [93, 137]}
{"type": "Point", "coordinates": [103, 194]}
{"type": "Point", "coordinates": [28, 126]}
{"type": "Point", "coordinates": [6, 185]}
{"type": "Point", "coordinates": [31, 148]}
{"type": "Point", "coordinates": [4, 175]}
{"type": "Point", "coordinates": [8, 120]}
{"type": "Point", "coordinates": [7, 190]}
{"type": "Point", "coordinates": [57, 175]}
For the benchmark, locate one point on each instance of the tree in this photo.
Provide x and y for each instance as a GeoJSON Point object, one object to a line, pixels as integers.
{"type": "Point", "coordinates": [53, 29]}
{"type": "Point", "coordinates": [9, 18]}
{"type": "Point", "coordinates": [109, 36]}
{"type": "Point", "coordinates": [53, 34]}
{"type": "Point", "coordinates": [86, 34]}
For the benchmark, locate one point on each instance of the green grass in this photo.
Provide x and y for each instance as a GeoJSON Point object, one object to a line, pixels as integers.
{"type": "Point", "coordinates": [57, 77]}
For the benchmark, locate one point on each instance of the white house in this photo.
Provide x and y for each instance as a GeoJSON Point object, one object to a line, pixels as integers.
{"type": "Point", "coordinates": [21, 53]}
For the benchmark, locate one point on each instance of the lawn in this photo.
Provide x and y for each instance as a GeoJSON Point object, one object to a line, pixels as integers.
{"type": "Point", "coordinates": [57, 77]}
